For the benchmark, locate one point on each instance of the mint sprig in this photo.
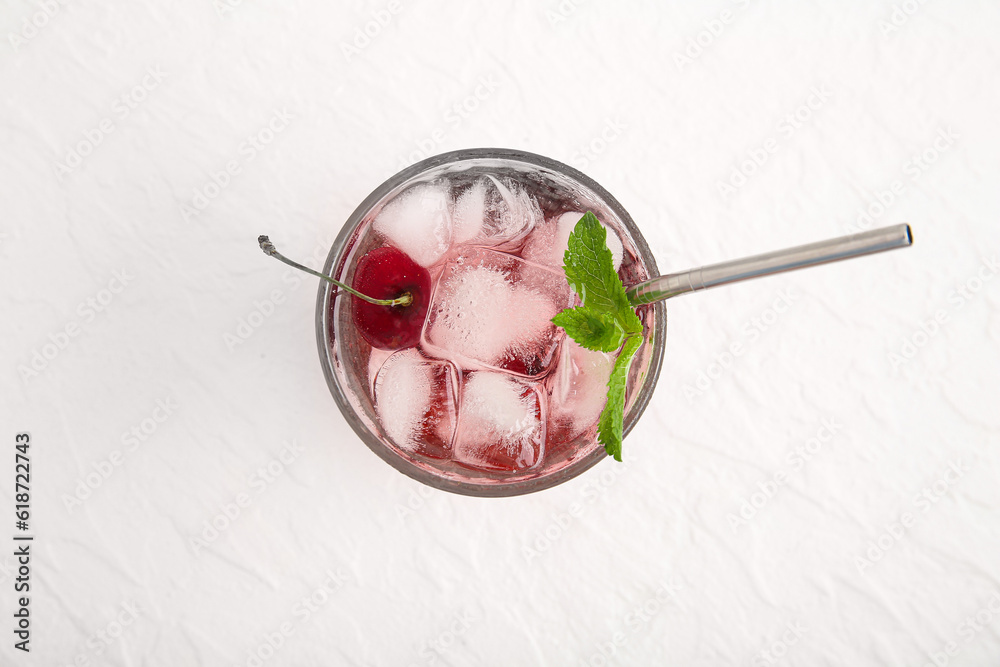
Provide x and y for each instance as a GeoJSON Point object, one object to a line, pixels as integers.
{"type": "Point", "coordinates": [605, 321]}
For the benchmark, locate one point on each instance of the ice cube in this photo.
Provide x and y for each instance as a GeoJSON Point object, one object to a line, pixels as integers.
{"type": "Point", "coordinates": [548, 243]}
{"type": "Point", "coordinates": [501, 423]}
{"type": "Point", "coordinates": [578, 389]}
{"type": "Point", "coordinates": [496, 310]}
{"type": "Point", "coordinates": [469, 209]}
{"type": "Point", "coordinates": [462, 318]}
{"type": "Point", "coordinates": [377, 357]}
{"type": "Point", "coordinates": [496, 213]}
{"type": "Point", "coordinates": [418, 222]}
{"type": "Point", "coordinates": [415, 399]}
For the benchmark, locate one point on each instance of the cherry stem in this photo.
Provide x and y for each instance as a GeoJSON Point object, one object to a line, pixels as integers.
{"type": "Point", "coordinates": [404, 299]}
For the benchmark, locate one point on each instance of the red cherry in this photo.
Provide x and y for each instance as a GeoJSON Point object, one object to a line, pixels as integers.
{"type": "Point", "coordinates": [387, 273]}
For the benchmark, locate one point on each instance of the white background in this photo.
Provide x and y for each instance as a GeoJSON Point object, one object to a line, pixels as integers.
{"type": "Point", "coordinates": [646, 563]}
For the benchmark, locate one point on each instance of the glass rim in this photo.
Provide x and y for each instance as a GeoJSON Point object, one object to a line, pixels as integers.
{"type": "Point", "coordinates": [388, 454]}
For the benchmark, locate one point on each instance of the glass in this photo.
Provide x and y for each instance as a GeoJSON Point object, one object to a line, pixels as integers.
{"type": "Point", "coordinates": [350, 364]}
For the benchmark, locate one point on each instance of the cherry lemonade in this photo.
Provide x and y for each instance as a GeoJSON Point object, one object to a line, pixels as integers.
{"type": "Point", "coordinates": [470, 387]}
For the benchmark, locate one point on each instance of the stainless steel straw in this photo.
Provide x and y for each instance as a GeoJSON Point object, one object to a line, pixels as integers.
{"type": "Point", "coordinates": [812, 254]}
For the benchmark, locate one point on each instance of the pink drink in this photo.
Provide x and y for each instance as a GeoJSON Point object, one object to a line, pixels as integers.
{"type": "Point", "coordinates": [491, 394]}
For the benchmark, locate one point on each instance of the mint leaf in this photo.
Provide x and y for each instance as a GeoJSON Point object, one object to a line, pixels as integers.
{"type": "Point", "coordinates": [590, 270]}
{"type": "Point", "coordinates": [611, 422]}
{"type": "Point", "coordinates": [591, 328]}
{"type": "Point", "coordinates": [605, 320]}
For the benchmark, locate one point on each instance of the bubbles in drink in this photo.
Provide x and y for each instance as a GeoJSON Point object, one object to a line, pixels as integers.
{"type": "Point", "coordinates": [496, 310]}
{"type": "Point", "coordinates": [462, 318]}
{"type": "Point", "coordinates": [501, 424]}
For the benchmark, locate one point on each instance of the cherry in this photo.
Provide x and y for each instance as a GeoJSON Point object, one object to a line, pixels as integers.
{"type": "Point", "coordinates": [387, 273]}
{"type": "Point", "coordinates": [390, 294]}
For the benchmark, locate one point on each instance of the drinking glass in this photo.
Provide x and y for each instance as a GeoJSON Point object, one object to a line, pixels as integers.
{"type": "Point", "coordinates": [350, 363]}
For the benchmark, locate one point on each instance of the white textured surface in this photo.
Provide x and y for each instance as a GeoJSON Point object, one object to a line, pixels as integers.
{"type": "Point", "coordinates": [639, 560]}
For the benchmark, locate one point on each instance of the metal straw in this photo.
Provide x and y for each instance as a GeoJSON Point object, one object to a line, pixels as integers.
{"type": "Point", "coordinates": [812, 254]}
